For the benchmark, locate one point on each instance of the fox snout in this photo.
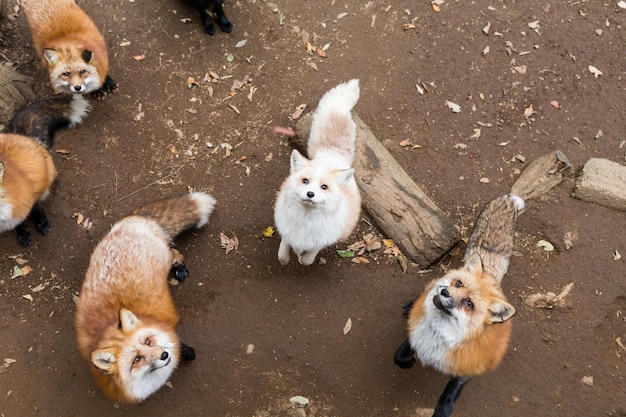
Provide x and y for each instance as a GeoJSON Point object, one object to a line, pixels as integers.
{"type": "Point", "coordinates": [443, 300]}
{"type": "Point", "coordinates": [77, 88]}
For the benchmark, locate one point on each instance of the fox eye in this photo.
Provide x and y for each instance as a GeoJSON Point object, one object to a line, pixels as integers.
{"type": "Point", "coordinates": [305, 181]}
{"type": "Point", "coordinates": [324, 187]}
{"type": "Point", "coordinates": [148, 341]}
{"type": "Point", "coordinates": [468, 304]}
{"type": "Point", "coordinates": [82, 72]}
{"type": "Point", "coordinates": [66, 74]}
{"type": "Point", "coordinates": [458, 284]}
{"type": "Point", "coordinates": [137, 359]}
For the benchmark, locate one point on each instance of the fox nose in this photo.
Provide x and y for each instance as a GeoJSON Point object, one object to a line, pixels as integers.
{"type": "Point", "coordinates": [164, 356]}
{"type": "Point", "coordinates": [310, 194]}
{"type": "Point", "coordinates": [77, 88]}
{"type": "Point", "coordinates": [445, 293]}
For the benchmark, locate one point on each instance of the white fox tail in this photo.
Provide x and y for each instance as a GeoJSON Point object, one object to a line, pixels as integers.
{"type": "Point", "coordinates": [342, 97]}
{"type": "Point", "coordinates": [332, 127]}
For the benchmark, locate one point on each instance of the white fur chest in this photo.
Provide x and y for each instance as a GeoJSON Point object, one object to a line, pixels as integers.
{"type": "Point", "coordinates": [435, 335]}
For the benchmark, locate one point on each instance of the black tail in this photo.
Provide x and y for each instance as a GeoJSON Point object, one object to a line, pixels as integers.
{"type": "Point", "coordinates": [43, 118]}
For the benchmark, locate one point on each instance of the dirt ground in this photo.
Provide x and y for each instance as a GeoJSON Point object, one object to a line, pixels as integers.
{"type": "Point", "coordinates": [158, 137]}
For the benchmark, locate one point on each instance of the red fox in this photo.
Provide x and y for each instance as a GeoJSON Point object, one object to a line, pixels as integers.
{"type": "Point", "coordinates": [70, 46]}
{"type": "Point", "coordinates": [125, 315]}
{"type": "Point", "coordinates": [460, 324]}
{"type": "Point", "coordinates": [26, 168]}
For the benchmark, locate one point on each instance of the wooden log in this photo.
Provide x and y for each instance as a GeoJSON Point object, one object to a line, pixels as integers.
{"type": "Point", "coordinates": [541, 175]}
{"type": "Point", "coordinates": [394, 201]}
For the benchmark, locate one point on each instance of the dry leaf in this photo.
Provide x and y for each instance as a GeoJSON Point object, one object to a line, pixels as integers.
{"type": "Point", "coordinates": [298, 111]}
{"type": "Point", "coordinates": [360, 260]}
{"type": "Point", "coordinates": [529, 111]}
{"type": "Point", "coordinates": [284, 131]}
{"type": "Point", "coordinates": [269, 231]}
{"type": "Point", "coordinates": [405, 142]}
{"type": "Point", "coordinates": [320, 52]}
{"type": "Point", "coordinates": [435, 7]}
{"type": "Point", "coordinates": [139, 57]}
{"type": "Point", "coordinates": [28, 297]}
{"type": "Point", "coordinates": [596, 72]}
{"type": "Point", "coordinates": [229, 244]}
{"type": "Point", "coordinates": [547, 246]}
{"type": "Point", "coordinates": [453, 106]}
{"type": "Point", "coordinates": [555, 104]}
{"type": "Point", "coordinates": [347, 327]}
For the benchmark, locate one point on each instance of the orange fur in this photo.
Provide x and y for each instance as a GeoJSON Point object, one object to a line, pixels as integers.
{"type": "Point", "coordinates": [62, 26]}
{"type": "Point", "coordinates": [28, 174]}
{"type": "Point", "coordinates": [127, 277]}
{"type": "Point", "coordinates": [485, 341]}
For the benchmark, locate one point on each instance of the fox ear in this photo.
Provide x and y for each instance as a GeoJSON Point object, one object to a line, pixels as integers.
{"type": "Point", "coordinates": [344, 176]}
{"type": "Point", "coordinates": [104, 360]}
{"type": "Point", "coordinates": [87, 55]}
{"type": "Point", "coordinates": [297, 160]}
{"type": "Point", "coordinates": [500, 311]}
{"type": "Point", "coordinates": [51, 55]}
{"type": "Point", "coordinates": [474, 264]}
{"type": "Point", "coordinates": [128, 320]}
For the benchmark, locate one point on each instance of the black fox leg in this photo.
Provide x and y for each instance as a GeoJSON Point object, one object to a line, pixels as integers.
{"type": "Point", "coordinates": [23, 235]}
{"type": "Point", "coordinates": [222, 20]}
{"type": "Point", "coordinates": [180, 271]}
{"type": "Point", "coordinates": [187, 352]}
{"type": "Point", "coordinates": [449, 396]}
{"type": "Point", "coordinates": [404, 356]}
{"type": "Point", "coordinates": [42, 222]}
{"type": "Point", "coordinates": [207, 25]}
{"type": "Point", "coordinates": [406, 308]}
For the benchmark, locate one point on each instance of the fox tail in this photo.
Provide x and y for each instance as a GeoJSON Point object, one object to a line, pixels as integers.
{"type": "Point", "coordinates": [43, 118]}
{"type": "Point", "coordinates": [180, 213]}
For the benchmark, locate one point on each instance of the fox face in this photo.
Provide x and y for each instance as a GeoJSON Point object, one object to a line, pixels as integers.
{"type": "Point", "coordinates": [317, 185]}
{"type": "Point", "coordinates": [468, 300]}
{"type": "Point", "coordinates": [72, 70]}
{"type": "Point", "coordinates": [139, 358]}
{"type": "Point", "coordinates": [460, 324]}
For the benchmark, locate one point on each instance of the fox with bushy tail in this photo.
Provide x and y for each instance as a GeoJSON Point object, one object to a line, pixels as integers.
{"type": "Point", "coordinates": [27, 170]}
{"type": "Point", "coordinates": [461, 325]}
{"type": "Point", "coordinates": [125, 315]}
{"type": "Point", "coordinates": [319, 203]}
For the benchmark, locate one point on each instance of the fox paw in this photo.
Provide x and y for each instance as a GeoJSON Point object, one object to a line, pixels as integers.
{"type": "Point", "coordinates": [108, 87]}
{"type": "Point", "coordinates": [180, 271]}
{"type": "Point", "coordinates": [225, 24]}
{"type": "Point", "coordinates": [24, 236]}
{"type": "Point", "coordinates": [43, 226]}
{"type": "Point", "coordinates": [187, 352]}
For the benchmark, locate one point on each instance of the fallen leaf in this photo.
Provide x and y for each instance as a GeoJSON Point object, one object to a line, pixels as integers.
{"type": "Point", "coordinates": [269, 231]}
{"type": "Point", "coordinates": [241, 43]}
{"type": "Point", "coordinates": [345, 253]}
{"type": "Point", "coordinates": [284, 131]}
{"type": "Point", "coordinates": [62, 151]}
{"type": "Point", "coordinates": [300, 400]}
{"type": "Point", "coordinates": [230, 58]}
{"type": "Point", "coordinates": [28, 297]}
{"type": "Point", "coordinates": [360, 260]}
{"type": "Point", "coordinates": [320, 52]}
{"type": "Point", "coordinates": [555, 104]}
{"type": "Point", "coordinates": [38, 288]}
{"type": "Point", "coordinates": [298, 112]}
{"type": "Point", "coordinates": [453, 106]}
{"type": "Point", "coordinates": [347, 327]}
{"type": "Point", "coordinates": [435, 7]}
{"type": "Point", "coordinates": [406, 142]}
{"type": "Point", "coordinates": [234, 108]}
{"type": "Point", "coordinates": [341, 15]}
{"type": "Point", "coordinates": [228, 243]}
{"type": "Point", "coordinates": [529, 111]}
{"type": "Point", "coordinates": [596, 72]}
{"type": "Point", "coordinates": [547, 246]}
{"type": "Point", "coordinates": [191, 82]}
{"type": "Point", "coordinates": [139, 57]}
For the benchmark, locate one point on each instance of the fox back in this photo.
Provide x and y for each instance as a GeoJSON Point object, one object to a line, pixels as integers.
{"type": "Point", "coordinates": [125, 316]}
{"type": "Point", "coordinates": [69, 44]}
{"type": "Point", "coordinates": [26, 173]}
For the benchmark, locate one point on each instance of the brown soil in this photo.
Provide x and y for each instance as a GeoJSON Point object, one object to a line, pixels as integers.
{"type": "Point", "coordinates": [149, 140]}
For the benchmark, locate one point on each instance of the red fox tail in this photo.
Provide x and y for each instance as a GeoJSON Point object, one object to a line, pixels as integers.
{"type": "Point", "coordinates": [177, 214]}
{"type": "Point", "coordinates": [43, 118]}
